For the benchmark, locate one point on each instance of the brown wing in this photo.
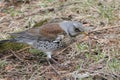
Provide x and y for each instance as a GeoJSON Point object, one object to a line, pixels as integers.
{"type": "Point", "coordinates": [51, 30]}
{"type": "Point", "coordinates": [47, 31]}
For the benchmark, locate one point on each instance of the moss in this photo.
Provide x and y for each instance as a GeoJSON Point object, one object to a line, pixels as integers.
{"type": "Point", "coordinates": [10, 45]}
{"type": "Point", "coordinates": [40, 23]}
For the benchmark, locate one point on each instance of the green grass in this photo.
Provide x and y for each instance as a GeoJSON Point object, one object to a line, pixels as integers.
{"type": "Point", "coordinates": [82, 46]}
{"type": "Point", "coordinates": [113, 65]}
{"type": "Point", "coordinates": [13, 46]}
{"type": "Point", "coordinates": [3, 63]}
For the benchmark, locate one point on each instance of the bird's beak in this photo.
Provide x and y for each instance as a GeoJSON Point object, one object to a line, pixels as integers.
{"type": "Point", "coordinates": [85, 33]}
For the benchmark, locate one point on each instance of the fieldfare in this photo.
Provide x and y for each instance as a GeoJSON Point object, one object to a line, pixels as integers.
{"type": "Point", "coordinates": [48, 38]}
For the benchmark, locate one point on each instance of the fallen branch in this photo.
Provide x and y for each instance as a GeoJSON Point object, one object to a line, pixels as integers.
{"type": "Point", "coordinates": [104, 28]}
{"type": "Point", "coordinates": [23, 49]}
{"type": "Point", "coordinates": [16, 55]}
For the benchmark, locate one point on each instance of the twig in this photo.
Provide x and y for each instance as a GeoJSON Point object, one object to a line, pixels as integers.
{"type": "Point", "coordinates": [16, 55]}
{"type": "Point", "coordinates": [33, 74]}
{"type": "Point", "coordinates": [8, 56]}
{"type": "Point", "coordinates": [89, 45]}
{"type": "Point", "coordinates": [104, 28]}
{"type": "Point", "coordinates": [44, 70]}
{"type": "Point", "coordinates": [23, 49]}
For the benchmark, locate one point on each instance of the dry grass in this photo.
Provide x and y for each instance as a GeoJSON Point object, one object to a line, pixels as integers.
{"type": "Point", "coordinates": [94, 57]}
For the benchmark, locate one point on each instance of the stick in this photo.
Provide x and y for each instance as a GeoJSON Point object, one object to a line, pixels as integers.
{"type": "Point", "coordinates": [104, 28]}
{"type": "Point", "coordinates": [16, 55]}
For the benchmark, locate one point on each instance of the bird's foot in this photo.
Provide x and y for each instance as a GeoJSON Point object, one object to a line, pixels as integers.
{"type": "Point", "coordinates": [55, 70]}
{"type": "Point", "coordinates": [57, 63]}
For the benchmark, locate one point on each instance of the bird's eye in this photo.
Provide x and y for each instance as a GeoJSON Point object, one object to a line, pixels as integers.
{"type": "Point", "coordinates": [77, 30]}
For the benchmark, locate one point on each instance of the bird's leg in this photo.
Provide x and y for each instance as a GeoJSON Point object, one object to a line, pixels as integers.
{"type": "Point", "coordinates": [57, 72]}
{"type": "Point", "coordinates": [49, 57]}
{"type": "Point", "coordinates": [48, 60]}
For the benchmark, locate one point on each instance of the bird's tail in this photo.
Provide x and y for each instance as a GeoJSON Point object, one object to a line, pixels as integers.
{"type": "Point", "coordinates": [8, 40]}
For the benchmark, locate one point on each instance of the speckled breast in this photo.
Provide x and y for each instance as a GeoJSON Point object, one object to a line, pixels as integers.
{"type": "Point", "coordinates": [46, 46]}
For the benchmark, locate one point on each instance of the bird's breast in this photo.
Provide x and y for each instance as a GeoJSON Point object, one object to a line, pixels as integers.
{"type": "Point", "coordinates": [46, 46]}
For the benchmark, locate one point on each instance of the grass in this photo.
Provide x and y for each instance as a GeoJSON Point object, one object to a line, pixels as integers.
{"type": "Point", "coordinates": [9, 45]}
{"type": "Point", "coordinates": [3, 63]}
{"type": "Point", "coordinates": [113, 65]}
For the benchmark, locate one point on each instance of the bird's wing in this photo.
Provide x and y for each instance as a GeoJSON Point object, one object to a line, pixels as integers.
{"type": "Point", "coordinates": [51, 30]}
{"type": "Point", "coordinates": [48, 31]}
{"type": "Point", "coordinates": [45, 32]}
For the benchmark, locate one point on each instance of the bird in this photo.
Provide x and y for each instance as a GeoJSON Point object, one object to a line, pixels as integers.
{"type": "Point", "coordinates": [48, 37]}
{"type": "Point", "coordinates": [55, 31]}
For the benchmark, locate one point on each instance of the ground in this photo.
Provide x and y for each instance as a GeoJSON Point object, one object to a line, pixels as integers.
{"type": "Point", "coordinates": [92, 57]}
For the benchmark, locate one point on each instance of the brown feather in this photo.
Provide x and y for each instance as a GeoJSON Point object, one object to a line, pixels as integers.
{"type": "Point", "coordinates": [47, 31]}
{"type": "Point", "coordinates": [51, 30]}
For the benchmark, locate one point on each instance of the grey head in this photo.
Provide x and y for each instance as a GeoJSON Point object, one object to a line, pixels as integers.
{"type": "Point", "coordinates": [72, 28]}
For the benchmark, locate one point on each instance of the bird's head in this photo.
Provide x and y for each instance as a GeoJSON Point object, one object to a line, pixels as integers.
{"type": "Point", "coordinates": [75, 28]}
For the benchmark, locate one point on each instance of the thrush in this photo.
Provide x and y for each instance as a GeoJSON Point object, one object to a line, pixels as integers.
{"type": "Point", "coordinates": [55, 31]}
{"type": "Point", "coordinates": [48, 38]}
